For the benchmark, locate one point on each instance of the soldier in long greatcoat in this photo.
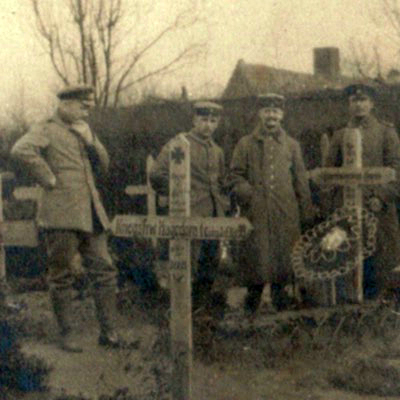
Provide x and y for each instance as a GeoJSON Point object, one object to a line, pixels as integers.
{"type": "Point", "coordinates": [380, 148]}
{"type": "Point", "coordinates": [60, 154]}
{"type": "Point", "coordinates": [207, 171]}
{"type": "Point", "coordinates": [268, 178]}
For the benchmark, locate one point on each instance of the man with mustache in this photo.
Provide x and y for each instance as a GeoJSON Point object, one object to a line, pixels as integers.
{"type": "Point", "coordinates": [268, 179]}
{"type": "Point", "coordinates": [61, 155]}
{"type": "Point", "coordinates": [207, 170]}
{"type": "Point", "coordinates": [380, 148]}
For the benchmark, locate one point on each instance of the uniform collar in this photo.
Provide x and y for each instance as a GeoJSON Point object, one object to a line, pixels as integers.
{"type": "Point", "coordinates": [59, 121]}
{"type": "Point", "coordinates": [260, 134]}
{"type": "Point", "coordinates": [72, 127]}
{"type": "Point", "coordinates": [206, 142]}
{"type": "Point", "coordinates": [57, 118]}
{"type": "Point", "coordinates": [364, 122]}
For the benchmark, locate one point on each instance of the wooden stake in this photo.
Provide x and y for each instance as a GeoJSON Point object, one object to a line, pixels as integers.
{"type": "Point", "coordinates": [352, 196]}
{"type": "Point", "coordinates": [180, 273]}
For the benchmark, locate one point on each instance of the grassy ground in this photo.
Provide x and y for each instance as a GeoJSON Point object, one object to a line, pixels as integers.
{"type": "Point", "coordinates": [231, 364]}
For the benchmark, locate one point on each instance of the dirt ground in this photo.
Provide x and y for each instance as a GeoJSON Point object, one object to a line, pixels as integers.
{"type": "Point", "coordinates": [228, 365]}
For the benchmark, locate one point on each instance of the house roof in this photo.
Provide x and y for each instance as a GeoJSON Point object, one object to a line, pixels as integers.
{"type": "Point", "coordinates": [254, 79]}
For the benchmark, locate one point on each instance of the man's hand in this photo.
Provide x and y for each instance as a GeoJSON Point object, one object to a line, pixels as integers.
{"type": "Point", "coordinates": [50, 184]}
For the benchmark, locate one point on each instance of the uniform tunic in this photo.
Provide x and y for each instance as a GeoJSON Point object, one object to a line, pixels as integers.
{"type": "Point", "coordinates": [268, 178]}
{"type": "Point", "coordinates": [207, 168]}
{"type": "Point", "coordinates": [71, 212]}
{"type": "Point", "coordinates": [52, 151]}
{"type": "Point", "coordinates": [380, 147]}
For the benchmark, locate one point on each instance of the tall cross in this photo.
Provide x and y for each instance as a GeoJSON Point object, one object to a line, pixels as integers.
{"type": "Point", "coordinates": [180, 228]}
{"type": "Point", "coordinates": [352, 176]}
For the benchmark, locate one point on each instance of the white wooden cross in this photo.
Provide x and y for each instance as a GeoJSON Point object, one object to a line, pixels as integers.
{"type": "Point", "coordinates": [180, 228]}
{"type": "Point", "coordinates": [352, 176]}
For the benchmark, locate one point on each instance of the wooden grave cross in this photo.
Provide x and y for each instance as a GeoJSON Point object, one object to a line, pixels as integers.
{"type": "Point", "coordinates": [19, 233]}
{"type": "Point", "coordinates": [137, 190]}
{"type": "Point", "coordinates": [352, 176]}
{"type": "Point", "coordinates": [180, 229]}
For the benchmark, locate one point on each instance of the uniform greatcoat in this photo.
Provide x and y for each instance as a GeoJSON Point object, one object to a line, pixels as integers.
{"type": "Point", "coordinates": [380, 147]}
{"type": "Point", "coordinates": [53, 152]}
{"type": "Point", "coordinates": [268, 178]}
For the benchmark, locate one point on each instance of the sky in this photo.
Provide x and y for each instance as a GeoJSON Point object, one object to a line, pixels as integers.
{"type": "Point", "coordinates": [276, 33]}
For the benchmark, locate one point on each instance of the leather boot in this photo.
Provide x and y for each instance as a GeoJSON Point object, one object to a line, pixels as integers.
{"type": "Point", "coordinates": [279, 297]}
{"type": "Point", "coordinates": [253, 299]}
{"type": "Point", "coordinates": [105, 302]}
{"type": "Point", "coordinates": [61, 302]}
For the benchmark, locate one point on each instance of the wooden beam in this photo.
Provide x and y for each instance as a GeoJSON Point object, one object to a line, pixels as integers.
{"type": "Point", "coordinates": [22, 233]}
{"type": "Point", "coordinates": [180, 274]}
{"type": "Point", "coordinates": [168, 227]}
{"type": "Point", "coordinates": [28, 193]}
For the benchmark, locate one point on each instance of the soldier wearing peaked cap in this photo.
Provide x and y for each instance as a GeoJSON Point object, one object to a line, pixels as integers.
{"type": "Point", "coordinates": [60, 154]}
{"type": "Point", "coordinates": [268, 178]}
{"type": "Point", "coordinates": [359, 90]}
{"type": "Point", "coordinates": [380, 147]}
{"type": "Point", "coordinates": [207, 108]}
{"type": "Point", "coordinates": [207, 167]}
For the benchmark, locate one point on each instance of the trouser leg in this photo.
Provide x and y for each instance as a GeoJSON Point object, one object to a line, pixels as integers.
{"type": "Point", "coordinates": [102, 275]}
{"type": "Point", "coordinates": [253, 298]}
{"type": "Point", "coordinates": [370, 281]}
{"type": "Point", "coordinates": [61, 247]}
{"type": "Point", "coordinates": [279, 297]}
{"type": "Point", "coordinates": [205, 255]}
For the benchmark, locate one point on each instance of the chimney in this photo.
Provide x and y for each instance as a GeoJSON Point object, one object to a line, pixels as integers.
{"type": "Point", "coordinates": [327, 63]}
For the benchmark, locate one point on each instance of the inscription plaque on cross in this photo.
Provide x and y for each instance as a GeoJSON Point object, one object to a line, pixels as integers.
{"type": "Point", "coordinates": [353, 176]}
{"type": "Point", "coordinates": [180, 228]}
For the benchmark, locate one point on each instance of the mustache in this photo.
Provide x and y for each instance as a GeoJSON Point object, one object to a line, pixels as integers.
{"type": "Point", "coordinates": [271, 119]}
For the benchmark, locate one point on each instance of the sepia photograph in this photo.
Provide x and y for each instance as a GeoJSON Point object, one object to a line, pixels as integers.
{"type": "Point", "coordinates": [200, 200]}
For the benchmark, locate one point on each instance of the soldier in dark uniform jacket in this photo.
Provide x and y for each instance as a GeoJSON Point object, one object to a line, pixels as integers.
{"type": "Point", "coordinates": [380, 148]}
{"type": "Point", "coordinates": [207, 170]}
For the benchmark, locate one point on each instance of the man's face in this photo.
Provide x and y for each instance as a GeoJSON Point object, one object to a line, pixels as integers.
{"type": "Point", "coordinates": [360, 106]}
{"type": "Point", "coordinates": [270, 117]}
{"type": "Point", "coordinates": [75, 110]}
{"type": "Point", "coordinates": [205, 125]}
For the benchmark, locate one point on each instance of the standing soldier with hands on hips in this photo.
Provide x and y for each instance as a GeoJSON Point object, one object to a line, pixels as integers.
{"type": "Point", "coordinates": [268, 179]}
{"type": "Point", "coordinates": [60, 154]}
{"type": "Point", "coordinates": [207, 168]}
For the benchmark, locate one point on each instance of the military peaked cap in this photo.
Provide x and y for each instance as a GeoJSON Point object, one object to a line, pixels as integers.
{"type": "Point", "coordinates": [359, 90]}
{"type": "Point", "coordinates": [207, 108]}
{"type": "Point", "coordinates": [270, 100]}
{"type": "Point", "coordinates": [79, 92]}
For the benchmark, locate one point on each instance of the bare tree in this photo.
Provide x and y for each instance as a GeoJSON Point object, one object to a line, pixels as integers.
{"type": "Point", "coordinates": [367, 61]}
{"type": "Point", "coordinates": [362, 61]}
{"type": "Point", "coordinates": [98, 42]}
